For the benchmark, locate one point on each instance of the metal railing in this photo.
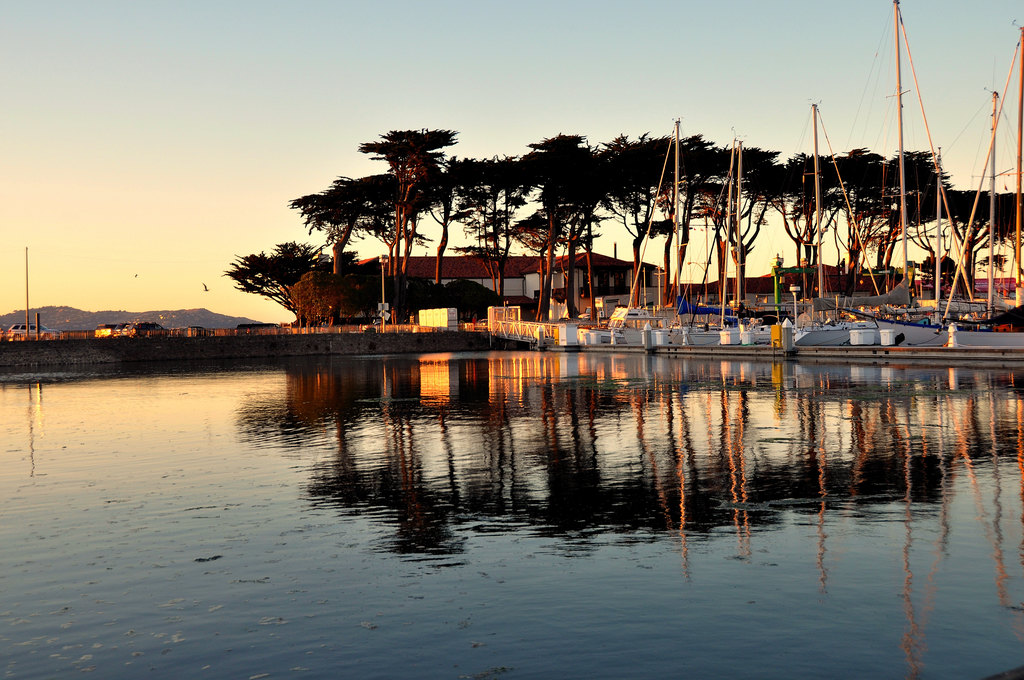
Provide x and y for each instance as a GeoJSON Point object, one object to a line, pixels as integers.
{"type": "Point", "coordinates": [506, 323]}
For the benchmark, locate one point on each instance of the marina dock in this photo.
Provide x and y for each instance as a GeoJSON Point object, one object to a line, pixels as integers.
{"type": "Point", "coordinates": [569, 337]}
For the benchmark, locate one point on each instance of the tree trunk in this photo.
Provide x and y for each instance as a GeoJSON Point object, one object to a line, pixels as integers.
{"type": "Point", "coordinates": [336, 251]}
{"type": "Point", "coordinates": [544, 309]}
{"type": "Point", "coordinates": [543, 300]}
{"type": "Point", "coordinates": [667, 264]}
{"type": "Point", "coordinates": [590, 271]}
{"type": "Point", "coordinates": [634, 292]}
{"type": "Point", "coordinates": [570, 283]}
{"type": "Point", "coordinates": [442, 244]}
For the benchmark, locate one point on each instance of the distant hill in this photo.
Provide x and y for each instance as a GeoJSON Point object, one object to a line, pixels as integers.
{"type": "Point", "coordinates": [71, 319]}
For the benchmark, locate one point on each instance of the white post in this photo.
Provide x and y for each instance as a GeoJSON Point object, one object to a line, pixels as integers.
{"type": "Point", "coordinates": [383, 299]}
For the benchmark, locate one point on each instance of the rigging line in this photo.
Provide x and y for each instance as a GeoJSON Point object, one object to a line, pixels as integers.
{"type": "Point", "coordinates": [968, 230]}
{"type": "Point", "coordinates": [872, 75]}
{"type": "Point", "coordinates": [970, 121]}
{"type": "Point", "coordinates": [650, 222]}
{"type": "Point", "coordinates": [846, 197]}
{"type": "Point", "coordinates": [1009, 139]}
{"type": "Point", "coordinates": [1009, 136]}
{"type": "Point", "coordinates": [712, 246]}
{"type": "Point", "coordinates": [935, 161]}
{"type": "Point", "coordinates": [802, 140]}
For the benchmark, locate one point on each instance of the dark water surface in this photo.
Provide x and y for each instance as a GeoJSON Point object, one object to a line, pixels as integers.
{"type": "Point", "coordinates": [516, 515]}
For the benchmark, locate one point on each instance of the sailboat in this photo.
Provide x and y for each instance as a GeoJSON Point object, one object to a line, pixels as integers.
{"type": "Point", "coordinates": [959, 334]}
{"type": "Point", "coordinates": [829, 333]}
{"type": "Point", "coordinates": [922, 334]}
{"type": "Point", "coordinates": [730, 330]}
{"type": "Point", "coordinates": [865, 331]}
{"type": "Point", "coordinates": [629, 325]}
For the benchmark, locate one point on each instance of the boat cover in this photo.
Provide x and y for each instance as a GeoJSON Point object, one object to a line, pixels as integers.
{"type": "Point", "coordinates": [898, 296]}
{"type": "Point", "coordinates": [1011, 317]}
{"type": "Point", "coordinates": [686, 307]}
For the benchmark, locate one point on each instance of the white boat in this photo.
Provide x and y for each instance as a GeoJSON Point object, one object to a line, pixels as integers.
{"type": "Point", "coordinates": [956, 337]}
{"type": "Point", "coordinates": [836, 334]}
{"type": "Point", "coordinates": [909, 334]}
{"type": "Point", "coordinates": [626, 325]}
{"type": "Point", "coordinates": [752, 333]}
{"type": "Point", "coordinates": [960, 334]}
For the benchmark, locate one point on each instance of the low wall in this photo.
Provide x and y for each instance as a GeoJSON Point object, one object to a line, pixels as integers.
{"type": "Point", "coordinates": [123, 350]}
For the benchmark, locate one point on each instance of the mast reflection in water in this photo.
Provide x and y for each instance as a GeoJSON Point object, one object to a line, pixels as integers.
{"type": "Point", "coordinates": [585, 515]}
{"type": "Point", "coordinates": [585, 447]}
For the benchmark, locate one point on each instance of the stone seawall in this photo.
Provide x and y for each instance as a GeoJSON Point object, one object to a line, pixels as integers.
{"type": "Point", "coordinates": [125, 350]}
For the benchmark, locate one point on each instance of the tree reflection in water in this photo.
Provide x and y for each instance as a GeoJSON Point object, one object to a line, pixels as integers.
{"type": "Point", "coordinates": [576, 444]}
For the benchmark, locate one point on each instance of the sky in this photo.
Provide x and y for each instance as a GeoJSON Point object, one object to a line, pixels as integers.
{"type": "Point", "coordinates": [144, 145]}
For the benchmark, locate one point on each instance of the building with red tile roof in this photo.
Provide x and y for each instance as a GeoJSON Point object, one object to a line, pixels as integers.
{"type": "Point", "coordinates": [612, 278]}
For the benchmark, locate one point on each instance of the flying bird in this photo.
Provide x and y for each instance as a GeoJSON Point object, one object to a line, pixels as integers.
{"type": "Point", "coordinates": [205, 289]}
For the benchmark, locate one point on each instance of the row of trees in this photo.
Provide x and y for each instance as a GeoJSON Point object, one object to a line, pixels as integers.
{"type": "Point", "coordinates": [556, 197]}
{"type": "Point", "coordinates": [318, 291]}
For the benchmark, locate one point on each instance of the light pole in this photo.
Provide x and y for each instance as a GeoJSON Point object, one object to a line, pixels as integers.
{"type": "Point", "coordinates": [383, 305]}
{"type": "Point", "coordinates": [660, 273]}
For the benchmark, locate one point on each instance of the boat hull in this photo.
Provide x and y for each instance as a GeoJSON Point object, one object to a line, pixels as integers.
{"type": "Point", "coordinates": [917, 335]}
{"type": "Point", "coordinates": [829, 335]}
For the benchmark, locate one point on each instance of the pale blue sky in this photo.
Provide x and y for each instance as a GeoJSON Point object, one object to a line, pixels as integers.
{"type": "Point", "coordinates": [164, 138]}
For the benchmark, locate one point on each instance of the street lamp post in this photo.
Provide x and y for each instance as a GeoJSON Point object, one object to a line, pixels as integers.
{"type": "Point", "coordinates": [660, 273]}
{"type": "Point", "coordinates": [383, 304]}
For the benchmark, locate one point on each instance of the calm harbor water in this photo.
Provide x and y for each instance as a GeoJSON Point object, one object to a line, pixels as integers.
{"type": "Point", "coordinates": [512, 515]}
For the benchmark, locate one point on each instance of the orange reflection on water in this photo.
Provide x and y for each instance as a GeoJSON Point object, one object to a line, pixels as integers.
{"type": "Point", "coordinates": [439, 379]}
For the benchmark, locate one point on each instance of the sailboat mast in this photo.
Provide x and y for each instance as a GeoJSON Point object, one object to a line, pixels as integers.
{"type": "Point", "coordinates": [938, 232]}
{"type": "Point", "coordinates": [675, 223]}
{"type": "Point", "coordinates": [817, 203]}
{"type": "Point", "coordinates": [992, 207]}
{"type": "Point", "coordinates": [739, 232]}
{"type": "Point", "coordinates": [899, 109]}
{"type": "Point", "coordinates": [723, 277]}
{"type": "Point", "coordinates": [1020, 134]}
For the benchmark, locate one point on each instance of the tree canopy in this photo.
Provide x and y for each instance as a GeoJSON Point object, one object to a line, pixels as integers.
{"type": "Point", "coordinates": [273, 275]}
{"type": "Point", "coordinates": [551, 199]}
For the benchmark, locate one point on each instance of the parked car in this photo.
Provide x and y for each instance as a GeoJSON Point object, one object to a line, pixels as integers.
{"type": "Point", "coordinates": [17, 332]}
{"type": "Point", "coordinates": [119, 330]}
{"type": "Point", "coordinates": [143, 328]}
{"type": "Point", "coordinates": [105, 330]}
